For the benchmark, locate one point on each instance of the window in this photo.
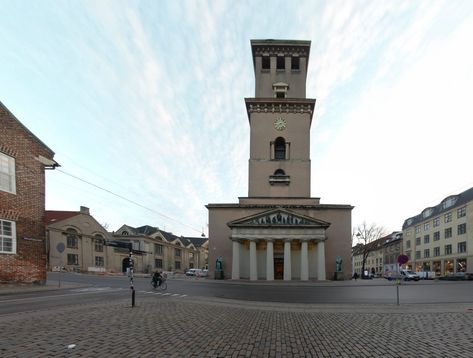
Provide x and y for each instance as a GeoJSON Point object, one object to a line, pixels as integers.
{"type": "Point", "coordinates": [158, 249]}
{"type": "Point", "coordinates": [177, 265]}
{"type": "Point", "coordinates": [72, 259]}
{"type": "Point", "coordinates": [436, 235]}
{"type": "Point", "coordinates": [98, 243]}
{"type": "Point", "coordinates": [265, 63]}
{"type": "Point", "coordinates": [448, 217]}
{"type": "Point", "coordinates": [448, 233]}
{"type": "Point", "coordinates": [7, 237]}
{"type": "Point", "coordinates": [7, 173]}
{"type": "Point", "coordinates": [99, 262]}
{"type": "Point", "coordinates": [450, 201]}
{"type": "Point", "coordinates": [461, 212]}
{"type": "Point", "coordinates": [417, 254]}
{"type": "Point", "coordinates": [158, 263]}
{"type": "Point", "coordinates": [72, 240]}
{"type": "Point", "coordinates": [177, 252]}
{"type": "Point", "coordinates": [417, 229]}
{"type": "Point", "coordinates": [461, 229]}
{"type": "Point", "coordinates": [280, 65]}
{"type": "Point", "coordinates": [426, 226]}
{"type": "Point", "coordinates": [417, 240]}
{"type": "Point", "coordinates": [279, 172]}
{"type": "Point", "coordinates": [437, 251]}
{"type": "Point", "coordinates": [408, 244]}
{"type": "Point", "coordinates": [462, 247]}
{"type": "Point", "coordinates": [295, 63]}
{"type": "Point", "coordinates": [280, 149]}
{"type": "Point", "coordinates": [448, 249]}
{"type": "Point", "coordinates": [426, 239]}
{"type": "Point", "coordinates": [191, 255]}
{"type": "Point", "coordinates": [427, 253]}
{"type": "Point", "coordinates": [436, 221]}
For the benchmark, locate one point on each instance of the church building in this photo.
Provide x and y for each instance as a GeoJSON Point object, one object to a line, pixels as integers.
{"type": "Point", "coordinates": [280, 232]}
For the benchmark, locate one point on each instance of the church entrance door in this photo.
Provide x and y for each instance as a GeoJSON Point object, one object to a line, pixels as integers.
{"type": "Point", "coordinates": [278, 268]}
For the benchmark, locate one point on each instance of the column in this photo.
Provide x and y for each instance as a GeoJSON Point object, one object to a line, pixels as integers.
{"type": "Point", "coordinates": [236, 260]}
{"type": "Point", "coordinates": [287, 260]}
{"type": "Point", "coordinates": [253, 261]}
{"type": "Point", "coordinates": [269, 260]}
{"type": "Point", "coordinates": [321, 260]}
{"type": "Point", "coordinates": [304, 261]}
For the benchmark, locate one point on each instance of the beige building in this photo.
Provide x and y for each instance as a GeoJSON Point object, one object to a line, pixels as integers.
{"type": "Point", "coordinates": [165, 251]}
{"type": "Point", "coordinates": [279, 231]}
{"type": "Point", "coordinates": [76, 241]}
{"type": "Point", "coordinates": [440, 238]}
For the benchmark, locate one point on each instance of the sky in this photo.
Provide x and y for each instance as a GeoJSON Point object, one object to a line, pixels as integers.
{"type": "Point", "coordinates": [143, 102]}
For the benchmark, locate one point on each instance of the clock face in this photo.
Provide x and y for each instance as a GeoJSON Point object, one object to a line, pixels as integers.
{"type": "Point", "coordinates": [280, 123]}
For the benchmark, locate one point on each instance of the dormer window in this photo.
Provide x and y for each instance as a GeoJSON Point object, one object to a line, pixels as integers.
{"type": "Point", "coordinates": [280, 89]}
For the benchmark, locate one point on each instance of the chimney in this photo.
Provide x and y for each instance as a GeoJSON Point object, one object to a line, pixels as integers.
{"type": "Point", "coordinates": [84, 210]}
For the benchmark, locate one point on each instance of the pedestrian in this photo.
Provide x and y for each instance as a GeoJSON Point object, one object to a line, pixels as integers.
{"type": "Point", "coordinates": [355, 275]}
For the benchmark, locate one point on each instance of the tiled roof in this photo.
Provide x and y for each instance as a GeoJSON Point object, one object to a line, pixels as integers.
{"type": "Point", "coordinates": [146, 230]}
{"type": "Point", "coordinates": [197, 241]}
{"type": "Point", "coordinates": [53, 216]}
{"type": "Point", "coordinates": [429, 213]}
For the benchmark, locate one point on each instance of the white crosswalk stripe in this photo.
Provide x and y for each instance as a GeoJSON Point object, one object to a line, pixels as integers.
{"type": "Point", "coordinates": [163, 294]}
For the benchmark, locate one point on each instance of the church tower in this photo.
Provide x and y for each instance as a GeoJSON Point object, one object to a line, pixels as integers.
{"type": "Point", "coordinates": [279, 232]}
{"type": "Point", "coordinates": [280, 117]}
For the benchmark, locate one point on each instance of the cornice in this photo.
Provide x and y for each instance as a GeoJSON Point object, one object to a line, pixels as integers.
{"type": "Point", "coordinates": [287, 105]}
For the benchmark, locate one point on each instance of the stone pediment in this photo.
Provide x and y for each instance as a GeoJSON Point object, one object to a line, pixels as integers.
{"type": "Point", "coordinates": [278, 218]}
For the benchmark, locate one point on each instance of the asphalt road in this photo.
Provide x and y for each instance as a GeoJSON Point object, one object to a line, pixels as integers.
{"type": "Point", "coordinates": [80, 289]}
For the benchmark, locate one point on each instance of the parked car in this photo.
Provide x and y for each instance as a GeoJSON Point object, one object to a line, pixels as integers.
{"type": "Point", "coordinates": [194, 272]}
{"type": "Point", "coordinates": [408, 275]}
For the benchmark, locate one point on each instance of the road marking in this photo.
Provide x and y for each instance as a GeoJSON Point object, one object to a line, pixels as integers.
{"type": "Point", "coordinates": [94, 289]}
{"type": "Point", "coordinates": [54, 296]}
{"type": "Point", "coordinates": [164, 294]}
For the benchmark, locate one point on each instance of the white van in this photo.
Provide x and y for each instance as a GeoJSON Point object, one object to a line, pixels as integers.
{"type": "Point", "coordinates": [194, 272]}
{"type": "Point", "coordinates": [408, 275]}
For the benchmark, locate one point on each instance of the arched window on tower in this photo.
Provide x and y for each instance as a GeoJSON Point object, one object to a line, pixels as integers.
{"type": "Point", "coordinates": [279, 172]}
{"type": "Point", "coordinates": [280, 149]}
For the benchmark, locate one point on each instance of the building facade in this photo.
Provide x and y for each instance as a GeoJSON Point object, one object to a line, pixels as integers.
{"type": "Point", "coordinates": [279, 231]}
{"type": "Point", "coordinates": [164, 251]}
{"type": "Point", "coordinates": [76, 241]}
{"type": "Point", "coordinates": [23, 160]}
{"type": "Point", "coordinates": [440, 238]}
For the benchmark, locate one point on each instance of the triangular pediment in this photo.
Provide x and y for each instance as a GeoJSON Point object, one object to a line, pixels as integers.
{"type": "Point", "coordinates": [278, 218]}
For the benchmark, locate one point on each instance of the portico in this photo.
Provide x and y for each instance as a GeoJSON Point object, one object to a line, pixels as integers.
{"type": "Point", "coordinates": [261, 242]}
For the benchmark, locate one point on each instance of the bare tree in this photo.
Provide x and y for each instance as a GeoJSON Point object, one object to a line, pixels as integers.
{"type": "Point", "coordinates": [364, 235]}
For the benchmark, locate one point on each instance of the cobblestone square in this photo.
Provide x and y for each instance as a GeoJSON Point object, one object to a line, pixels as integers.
{"type": "Point", "coordinates": [180, 327]}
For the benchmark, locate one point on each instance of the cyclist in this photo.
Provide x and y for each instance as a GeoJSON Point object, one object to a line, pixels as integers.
{"type": "Point", "coordinates": [157, 278]}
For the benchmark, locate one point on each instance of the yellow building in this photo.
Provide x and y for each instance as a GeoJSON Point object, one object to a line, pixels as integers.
{"type": "Point", "coordinates": [440, 238]}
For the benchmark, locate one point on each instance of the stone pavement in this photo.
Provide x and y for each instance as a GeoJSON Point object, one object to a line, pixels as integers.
{"type": "Point", "coordinates": [166, 326]}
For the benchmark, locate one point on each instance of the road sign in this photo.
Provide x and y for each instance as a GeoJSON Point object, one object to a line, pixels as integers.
{"type": "Point", "coordinates": [402, 259]}
{"type": "Point", "coordinates": [60, 247]}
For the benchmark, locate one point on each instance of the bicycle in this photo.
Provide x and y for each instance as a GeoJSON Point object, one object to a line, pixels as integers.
{"type": "Point", "coordinates": [163, 286]}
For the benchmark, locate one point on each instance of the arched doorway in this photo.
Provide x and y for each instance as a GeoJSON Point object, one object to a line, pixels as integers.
{"type": "Point", "coordinates": [125, 264]}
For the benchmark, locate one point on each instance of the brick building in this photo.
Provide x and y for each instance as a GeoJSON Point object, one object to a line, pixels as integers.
{"type": "Point", "coordinates": [23, 160]}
